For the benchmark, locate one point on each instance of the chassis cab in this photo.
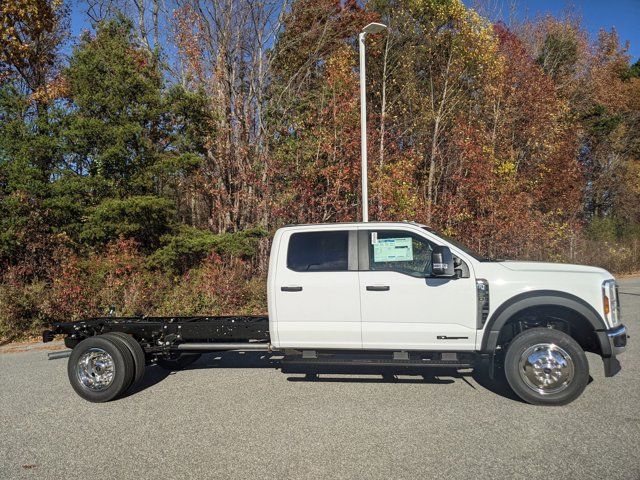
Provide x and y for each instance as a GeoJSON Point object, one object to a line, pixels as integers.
{"type": "Point", "coordinates": [387, 297]}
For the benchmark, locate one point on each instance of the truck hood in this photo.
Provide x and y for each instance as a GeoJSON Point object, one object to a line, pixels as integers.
{"type": "Point", "coordinates": [550, 267]}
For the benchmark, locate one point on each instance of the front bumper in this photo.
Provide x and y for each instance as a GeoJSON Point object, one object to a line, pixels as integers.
{"type": "Point", "coordinates": [617, 339]}
{"type": "Point", "coordinates": [612, 343]}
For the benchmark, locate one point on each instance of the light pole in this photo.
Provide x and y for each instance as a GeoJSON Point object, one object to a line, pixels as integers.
{"type": "Point", "coordinates": [371, 28]}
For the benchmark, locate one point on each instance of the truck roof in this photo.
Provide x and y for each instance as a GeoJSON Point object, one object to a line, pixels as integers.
{"type": "Point", "coordinates": [354, 224]}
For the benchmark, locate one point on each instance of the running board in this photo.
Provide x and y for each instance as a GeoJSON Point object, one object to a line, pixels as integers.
{"type": "Point", "coordinates": [409, 360]}
{"type": "Point", "coordinates": [217, 347]}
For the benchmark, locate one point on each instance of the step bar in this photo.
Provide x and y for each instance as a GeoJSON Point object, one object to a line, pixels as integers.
{"type": "Point", "coordinates": [288, 364]}
{"type": "Point", "coordinates": [217, 347]}
{"type": "Point", "coordinates": [375, 360]}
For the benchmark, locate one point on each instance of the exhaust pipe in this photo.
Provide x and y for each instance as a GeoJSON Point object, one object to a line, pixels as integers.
{"type": "Point", "coordinates": [216, 347]}
{"type": "Point", "coordinates": [56, 355]}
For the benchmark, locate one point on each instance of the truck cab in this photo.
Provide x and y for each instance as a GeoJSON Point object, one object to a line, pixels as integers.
{"type": "Point", "coordinates": [401, 287]}
{"type": "Point", "coordinates": [369, 286]}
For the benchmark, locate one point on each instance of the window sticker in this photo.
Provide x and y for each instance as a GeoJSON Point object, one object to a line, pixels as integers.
{"type": "Point", "coordinates": [393, 250]}
{"type": "Point", "coordinates": [374, 238]}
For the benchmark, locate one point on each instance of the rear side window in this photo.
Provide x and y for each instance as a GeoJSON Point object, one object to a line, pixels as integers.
{"type": "Point", "coordinates": [318, 251]}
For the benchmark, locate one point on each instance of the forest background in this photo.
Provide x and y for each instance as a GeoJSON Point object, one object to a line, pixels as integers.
{"type": "Point", "coordinates": [145, 163]}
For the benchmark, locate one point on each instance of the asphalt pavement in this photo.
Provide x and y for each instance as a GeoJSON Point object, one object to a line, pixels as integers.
{"type": "Point", "coordinates": [236, 416]}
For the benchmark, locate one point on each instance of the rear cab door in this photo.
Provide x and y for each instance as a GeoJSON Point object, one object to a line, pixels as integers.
{"type": "Point", "coordinates": [314, 295]}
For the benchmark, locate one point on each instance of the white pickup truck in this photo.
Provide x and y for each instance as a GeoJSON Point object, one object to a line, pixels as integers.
{"type": "Point", "coordinates": [384, 297]}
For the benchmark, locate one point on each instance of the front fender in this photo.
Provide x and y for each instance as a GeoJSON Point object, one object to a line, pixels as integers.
{"type": "Point", "coordinates": [540, 298]}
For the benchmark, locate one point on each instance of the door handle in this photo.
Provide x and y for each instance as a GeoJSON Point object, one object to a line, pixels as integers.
{"type": "Point", "coordinates": [291, 289]}
{"type": "Point", "coordinates": [378, 288]}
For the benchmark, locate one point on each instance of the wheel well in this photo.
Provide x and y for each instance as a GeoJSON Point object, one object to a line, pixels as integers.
{"type": "Point", "coordinates": [551, 316]}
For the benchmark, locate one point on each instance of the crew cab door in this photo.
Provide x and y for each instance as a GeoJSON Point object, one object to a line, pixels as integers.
{"type": "Point", "coordinates": [401, 307]}
{"type": "Point", "coordinates": [317, 291]}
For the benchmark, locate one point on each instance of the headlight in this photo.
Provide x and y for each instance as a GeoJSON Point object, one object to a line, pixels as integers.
{"type": "Point", "coordinates": [610, 302]}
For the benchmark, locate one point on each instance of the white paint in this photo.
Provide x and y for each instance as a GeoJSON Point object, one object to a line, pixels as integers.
{"type": "Point", "coordinates": [325, 314]}
{"type": "Point", "coordinates": [415, 311]}
{"type": "Point", "coordinates": [334, 309]}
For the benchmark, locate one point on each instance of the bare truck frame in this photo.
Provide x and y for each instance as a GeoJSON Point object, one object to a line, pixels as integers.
{"type": "Point", "coordinates": [176, 342]}
{"type": "Point", "coordinates": [162, 337]}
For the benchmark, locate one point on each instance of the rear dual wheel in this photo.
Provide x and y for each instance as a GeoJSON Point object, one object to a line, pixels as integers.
{"type": "Point", "coordinates": [104, 367]}
{"type": "Point", "coordinates": [139, 359]}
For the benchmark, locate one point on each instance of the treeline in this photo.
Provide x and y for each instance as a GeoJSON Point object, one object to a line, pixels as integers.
{"type": "Point", "coordinates": [145, 164]}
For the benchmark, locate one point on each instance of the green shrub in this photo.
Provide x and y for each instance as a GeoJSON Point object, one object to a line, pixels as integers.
{"type": "Point", "coordinates": [190, 245]}
{"type": "Point", "coordinates": [143, 218]}
{"type": "Point", "coordinates": [20, 309]}
{"type": "Point", "coordinates": [611, 229]}
{"type": "Point", "coordinates": [216, 287]}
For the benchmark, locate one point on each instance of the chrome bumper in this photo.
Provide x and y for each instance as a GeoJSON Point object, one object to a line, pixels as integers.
{"type": "Point", "coordinates": [617, 339]}
{"type": "Point", "coordinates": [612, 343]}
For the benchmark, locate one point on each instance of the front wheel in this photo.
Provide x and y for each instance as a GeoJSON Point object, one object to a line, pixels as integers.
{"type": "Point", "coordinates": [546, 367]}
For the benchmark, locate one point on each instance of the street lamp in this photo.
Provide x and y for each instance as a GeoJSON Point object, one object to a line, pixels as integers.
{"type": "Point", "coordinates": [371, 28]}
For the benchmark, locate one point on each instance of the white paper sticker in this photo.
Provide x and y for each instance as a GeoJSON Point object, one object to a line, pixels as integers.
{"type": "Point", "coordinates": [393, 250]}
{"type": "Point", "coordinates": [374, 238]}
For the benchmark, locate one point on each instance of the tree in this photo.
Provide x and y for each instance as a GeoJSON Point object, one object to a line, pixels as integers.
{"type": "Point", "coordinates": [634, 70]}
{"type": "Point", "coordinates": [610, 121]}
{"type": "Point", "coordinates": [443, 56]}
{"type": "Point", "coordinates": [517, 148]}
{"type": "Point", "coordinates": [223, 53]}
{"type": "Point", "coordinates": [314, 102]}
{"type": "Point", "coordinates": [116, 130]}
{"type": "Point", "coordinates": [127, 138]}
{"type": "Point", "coordinates": [31, 32]}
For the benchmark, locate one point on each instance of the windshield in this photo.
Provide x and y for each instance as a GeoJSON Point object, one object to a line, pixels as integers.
{"type": "Point", "coordinates": [460, 246]}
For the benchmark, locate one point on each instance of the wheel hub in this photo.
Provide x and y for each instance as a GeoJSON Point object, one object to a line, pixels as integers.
{"type": "Point", "coordinates": [95, 369]}
{"type": "Point", "coordinates": [546, 368]}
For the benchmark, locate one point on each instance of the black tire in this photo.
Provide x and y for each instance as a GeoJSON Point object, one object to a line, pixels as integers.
{"type": "Point", "coordinates": [118, 360]}
{"type": "Point", "coordinates": [178, 362]}
{"type": "Point", "coordinates": [546, 367]}
{"type": "Point", "coordinates": [137, 353]}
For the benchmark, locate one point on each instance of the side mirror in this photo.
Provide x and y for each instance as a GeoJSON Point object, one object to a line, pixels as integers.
{"type": "Point", "coordinates": [442, 262]}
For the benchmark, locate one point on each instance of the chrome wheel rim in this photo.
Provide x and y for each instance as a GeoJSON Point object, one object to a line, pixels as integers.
{"type": "Point", "coordinates": [546, 368]}
{"type": "Point", "coordinates": [95, 369]}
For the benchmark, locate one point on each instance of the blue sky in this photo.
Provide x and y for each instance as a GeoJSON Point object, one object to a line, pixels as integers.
{"type": "Point", "coordinates": [624, 15]}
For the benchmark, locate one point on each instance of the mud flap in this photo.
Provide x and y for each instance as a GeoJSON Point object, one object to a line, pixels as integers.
{"type": "Point", "coordinates": [611, 366]}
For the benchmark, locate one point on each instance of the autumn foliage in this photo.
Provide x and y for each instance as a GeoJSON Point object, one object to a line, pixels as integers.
{"type": "Point", "coordinates": [147, 167]}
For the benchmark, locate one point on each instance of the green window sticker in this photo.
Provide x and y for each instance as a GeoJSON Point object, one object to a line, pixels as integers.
{"type": "Point", "coordinates": [393, 250]}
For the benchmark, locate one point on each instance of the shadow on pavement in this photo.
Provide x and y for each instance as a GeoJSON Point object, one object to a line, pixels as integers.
{"type": "Point", "coordinates": [498, 386]}
{"type": "Point", "coordinates": [154, 374]}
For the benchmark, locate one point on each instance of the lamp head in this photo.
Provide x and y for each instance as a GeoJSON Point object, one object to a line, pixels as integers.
{"type": "Point", "coordinates": [374, 28]}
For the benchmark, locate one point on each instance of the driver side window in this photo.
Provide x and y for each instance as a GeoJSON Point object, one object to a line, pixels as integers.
{"type": "Point", "coordinates": [399, 251]}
